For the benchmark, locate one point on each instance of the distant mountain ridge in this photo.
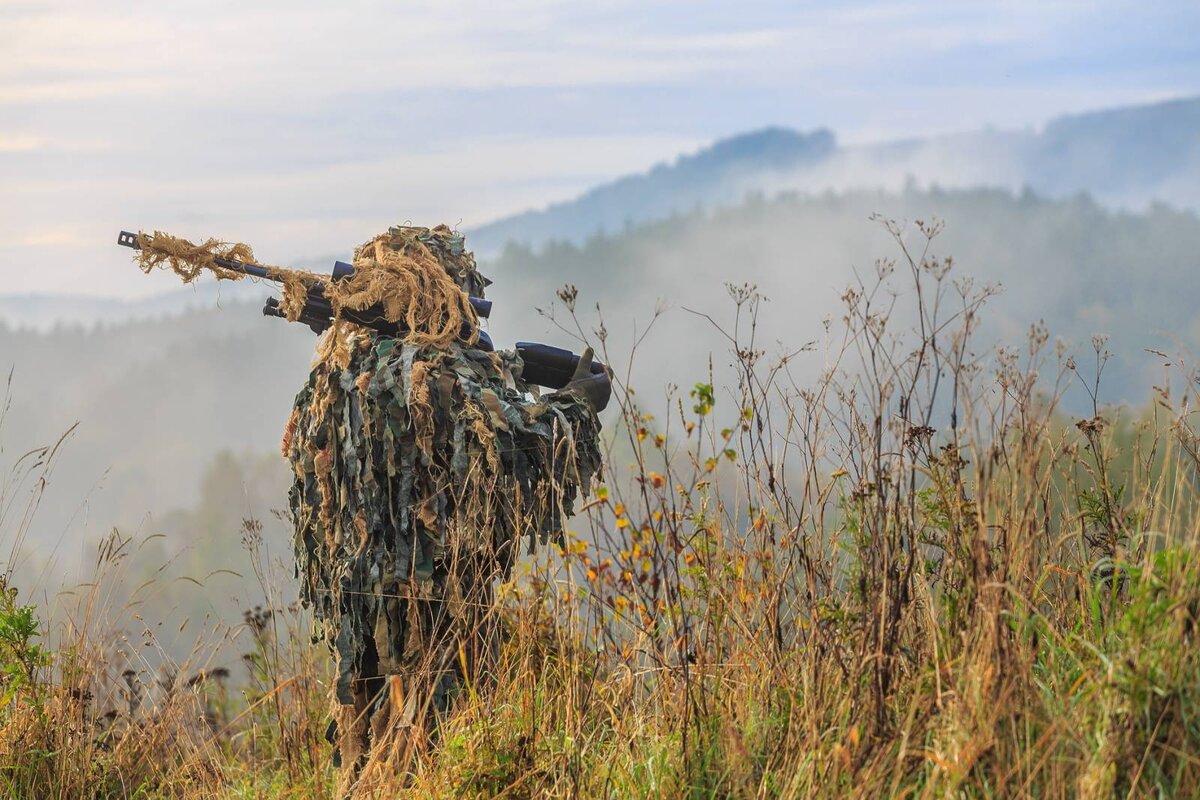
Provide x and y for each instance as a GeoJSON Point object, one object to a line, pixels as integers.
{"type": "Point", "coordinates": [1123, 157]}
{"type": "Point", "coordinates": [1123, 150]}
{"type": "Point", "coordinates": [709, 177]}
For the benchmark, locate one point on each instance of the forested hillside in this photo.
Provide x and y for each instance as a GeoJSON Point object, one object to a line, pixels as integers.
{"type": "Point", "coordinates": [1080, 267]}
{"type": "Point", "coordinates": [156, 400]}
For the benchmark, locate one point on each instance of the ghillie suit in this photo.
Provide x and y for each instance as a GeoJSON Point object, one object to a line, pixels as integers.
{"type": "Point", "coordinates": [422, 461]}
{"type": "Point", "coordinates": [421, 465]}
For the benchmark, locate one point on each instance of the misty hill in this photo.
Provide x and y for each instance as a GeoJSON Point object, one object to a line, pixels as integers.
{"type": "Point", "coordinates": [1081, 267]}
{"type": "Point", "coordinates": [712, 176]}
{"type": "Point", "coordinates": [1147, 152]}
{"type": "Point", "coordinates": [158, 399]}
{"type": "Point", "coordinates": [44, 311]}
{"type": "Point", "coordinates": [155, 400]}
{"type": "Point", "coordinates": [1125, 157]}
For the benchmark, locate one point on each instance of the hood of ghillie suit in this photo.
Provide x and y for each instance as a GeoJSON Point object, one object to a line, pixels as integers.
{"type": "Point", "coordinates": [421, 277]}
{"type": "Point", "coordinates": [447, 248]}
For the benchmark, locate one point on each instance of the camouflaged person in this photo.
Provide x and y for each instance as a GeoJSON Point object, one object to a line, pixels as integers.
{"type": "Point", "coordinates": [421, 466]}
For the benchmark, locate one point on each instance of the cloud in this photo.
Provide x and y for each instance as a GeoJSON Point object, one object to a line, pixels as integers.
{"type": "Point", "coordinates": [65, 51]}
{"type": "Point", "coordinates": [283, 51]}
{"type": "Point", "coordinates": [53, 237]}
{"type": "Point", "coordinates": [17, 143]}
{"type": "Point", "coordinates": [82, 89]}
{"type": "Point", "coordinates": [303, 126]}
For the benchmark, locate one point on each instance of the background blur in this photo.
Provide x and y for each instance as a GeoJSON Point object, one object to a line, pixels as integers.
{"type": "Point", "coordinates": [646, 152]}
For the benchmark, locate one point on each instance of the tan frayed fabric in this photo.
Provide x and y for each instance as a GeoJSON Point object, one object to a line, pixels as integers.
{"type": "Point", "coordinates": [187, 260]}
{"type": "Point", "coordinates": [397, 271]}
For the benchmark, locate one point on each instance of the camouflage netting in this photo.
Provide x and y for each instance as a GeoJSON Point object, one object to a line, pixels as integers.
{"type": "Point", "coordinates": [419, 471]}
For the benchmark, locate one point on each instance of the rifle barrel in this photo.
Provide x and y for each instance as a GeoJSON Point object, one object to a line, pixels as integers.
{"type": "Point", "coordinates": [127, 239]}
{"type": "Point", "coordinates": [341, 271]}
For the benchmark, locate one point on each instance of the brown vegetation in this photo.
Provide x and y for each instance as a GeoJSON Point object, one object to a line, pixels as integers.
{"type": "Point", "coordinates": [918, 577]}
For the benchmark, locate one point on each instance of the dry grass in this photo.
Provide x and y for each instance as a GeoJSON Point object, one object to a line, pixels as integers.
{"type": "Point", "coordinates": [917, 577]}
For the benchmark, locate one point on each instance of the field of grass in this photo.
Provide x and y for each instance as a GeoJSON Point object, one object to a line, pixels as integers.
{"type": "Point", "coordinates": [918, 576]}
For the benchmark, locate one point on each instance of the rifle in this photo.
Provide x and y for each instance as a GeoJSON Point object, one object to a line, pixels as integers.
{"type": "Point", "coordinates": [552, 367]}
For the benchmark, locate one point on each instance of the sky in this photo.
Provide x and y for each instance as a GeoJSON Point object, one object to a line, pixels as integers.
{"type": "Point", "coordinates": [304, 128]}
